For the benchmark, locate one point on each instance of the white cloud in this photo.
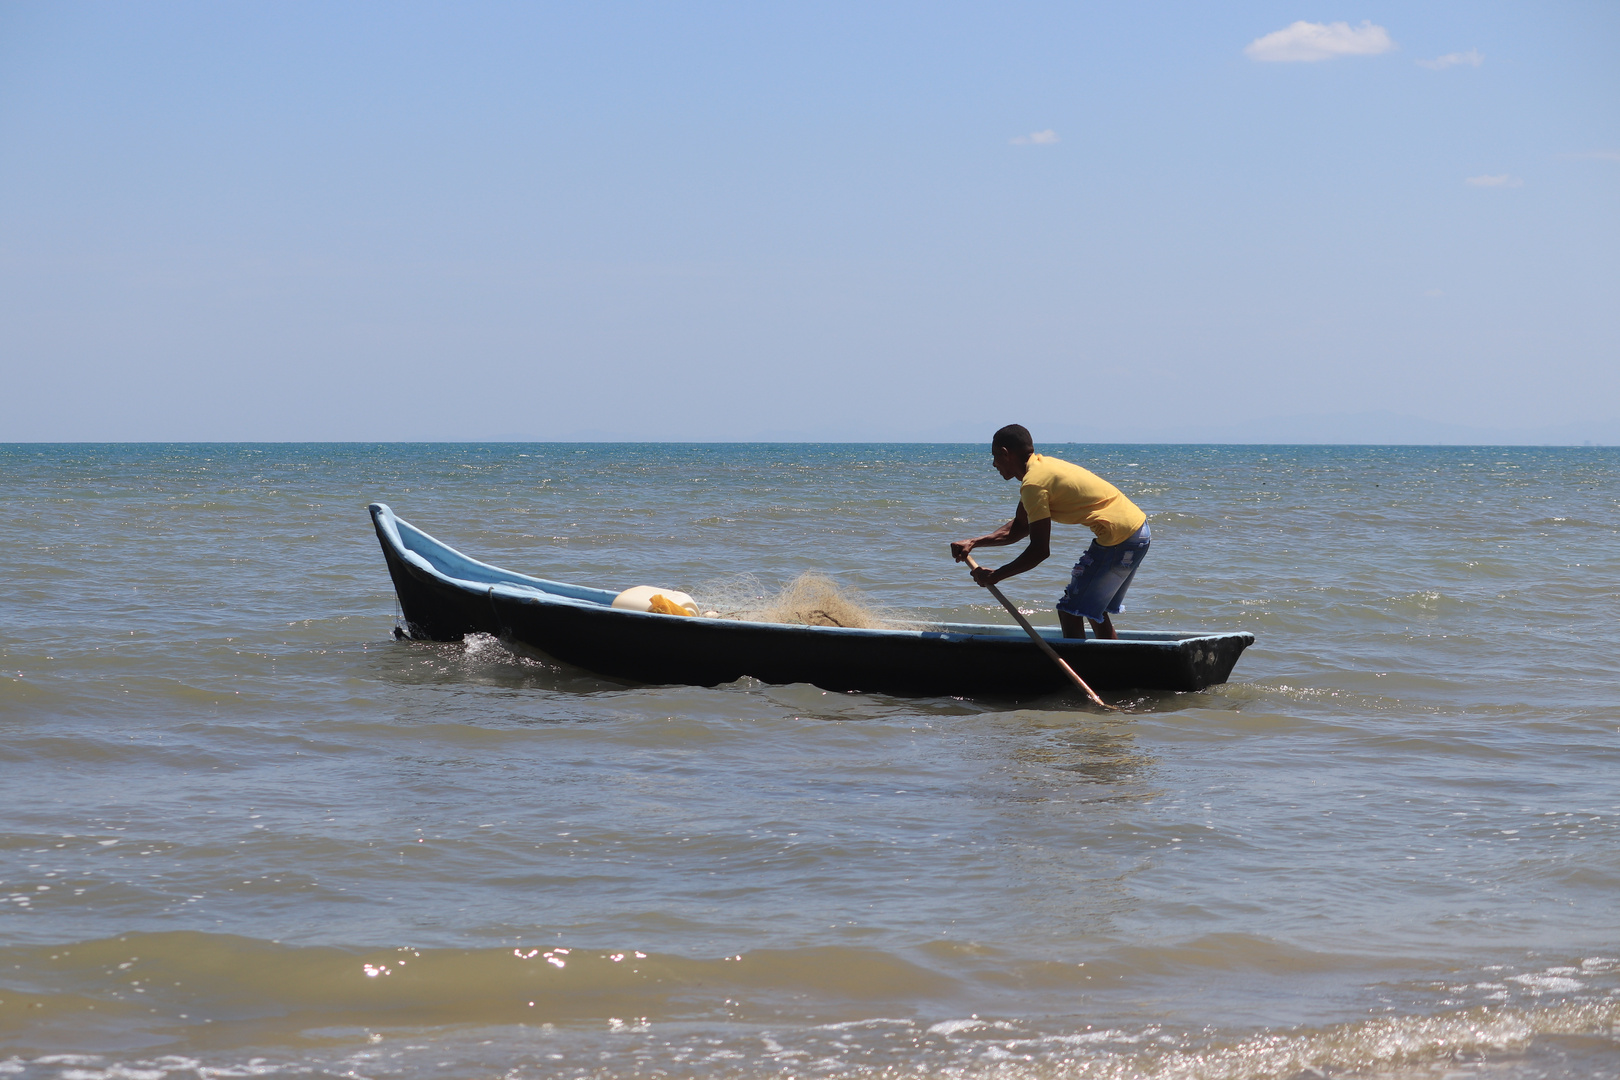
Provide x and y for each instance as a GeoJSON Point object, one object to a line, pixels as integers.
{"type": "Point", "coordinates": [1495, 181]}
{"type": "Point", "coordinates": [1473, 57]}
{"type": "Point", "coordinates": [1036, 138]}
{"type": "Point", "coordinates": [1305, 41]}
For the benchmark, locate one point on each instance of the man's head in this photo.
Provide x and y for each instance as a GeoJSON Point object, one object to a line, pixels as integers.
{"type": "Point", "coordinates": [1010, 448]}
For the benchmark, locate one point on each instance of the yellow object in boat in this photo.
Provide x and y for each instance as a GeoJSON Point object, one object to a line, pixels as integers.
{"type": "Point", "coordinates": [663, 605]}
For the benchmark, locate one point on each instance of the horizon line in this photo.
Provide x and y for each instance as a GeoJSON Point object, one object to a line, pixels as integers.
{"type": "Point", "coordinates": [1586, 445]}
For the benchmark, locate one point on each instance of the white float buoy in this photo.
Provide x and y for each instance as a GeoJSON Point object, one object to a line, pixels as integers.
{"type": "Point", "coordinates": [640, 598]}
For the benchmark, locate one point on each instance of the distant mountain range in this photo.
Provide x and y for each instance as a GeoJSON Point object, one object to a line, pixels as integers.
{"type": "Point", "coordinates": [1377, 428]}
{"type": "Point", "coordinates": [1368, 428]}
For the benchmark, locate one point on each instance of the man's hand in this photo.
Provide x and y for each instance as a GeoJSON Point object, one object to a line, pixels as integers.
{"type": "Point", "coordinates": [1040, 546]}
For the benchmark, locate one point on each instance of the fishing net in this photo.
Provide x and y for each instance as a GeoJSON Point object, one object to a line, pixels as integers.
{"type": "Point", "coordinates": [810, 599]}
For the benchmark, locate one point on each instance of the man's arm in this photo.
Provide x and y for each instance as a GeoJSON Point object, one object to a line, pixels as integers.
{"type": "Point", "coordinates": [1010, 533]}
{"type": "Point", "coordinates": [1040, 546]}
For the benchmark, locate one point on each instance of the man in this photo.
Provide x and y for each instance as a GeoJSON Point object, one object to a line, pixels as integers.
{"type": "Point", "coordinates": [1054, 490]}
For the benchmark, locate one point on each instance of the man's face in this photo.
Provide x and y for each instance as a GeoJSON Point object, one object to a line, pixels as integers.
{"type": "Point", "coordinates": [1002, 458]}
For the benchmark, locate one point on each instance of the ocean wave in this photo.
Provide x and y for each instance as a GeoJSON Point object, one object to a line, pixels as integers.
{"type": "Point", "coordinates": [1562, 1042]}
{"type": "Point", "coordinates": [221, 979]}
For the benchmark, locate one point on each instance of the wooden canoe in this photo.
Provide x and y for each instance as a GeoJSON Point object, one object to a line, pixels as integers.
{"type": "Point", "coordinates": [446, 595]}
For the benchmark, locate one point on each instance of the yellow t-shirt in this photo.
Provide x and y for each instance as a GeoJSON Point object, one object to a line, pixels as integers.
{"type": "Point", "coordinates": [1055, 489]}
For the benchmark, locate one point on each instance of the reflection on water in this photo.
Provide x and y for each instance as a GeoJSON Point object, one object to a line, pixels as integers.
{"type": "Point", "coordinates": [1095, 754]}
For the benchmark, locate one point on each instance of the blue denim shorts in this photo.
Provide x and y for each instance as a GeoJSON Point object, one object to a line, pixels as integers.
{"type": "Point", "coordinates": [1103, 574]}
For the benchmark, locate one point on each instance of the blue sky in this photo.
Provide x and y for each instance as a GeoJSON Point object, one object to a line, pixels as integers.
{"type": "Point", "coordinates": [844, 221]}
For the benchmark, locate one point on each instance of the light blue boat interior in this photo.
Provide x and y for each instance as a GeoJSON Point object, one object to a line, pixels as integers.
{"type": "Point", "coordinates": [440, 559]}
{"type": "Point", "coordinates": [443, 561]}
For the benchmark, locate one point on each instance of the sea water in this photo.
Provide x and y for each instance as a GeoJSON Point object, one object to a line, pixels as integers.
{"type": "Point", "coordinates": [245, 832]}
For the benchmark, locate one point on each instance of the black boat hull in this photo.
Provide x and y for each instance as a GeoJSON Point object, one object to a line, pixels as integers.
{"type": "Point", "coordinates": [959, 660]}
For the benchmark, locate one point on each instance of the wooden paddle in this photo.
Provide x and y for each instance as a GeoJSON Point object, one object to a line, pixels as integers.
{"type": "Point", "coordinates": [1037, 639]}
